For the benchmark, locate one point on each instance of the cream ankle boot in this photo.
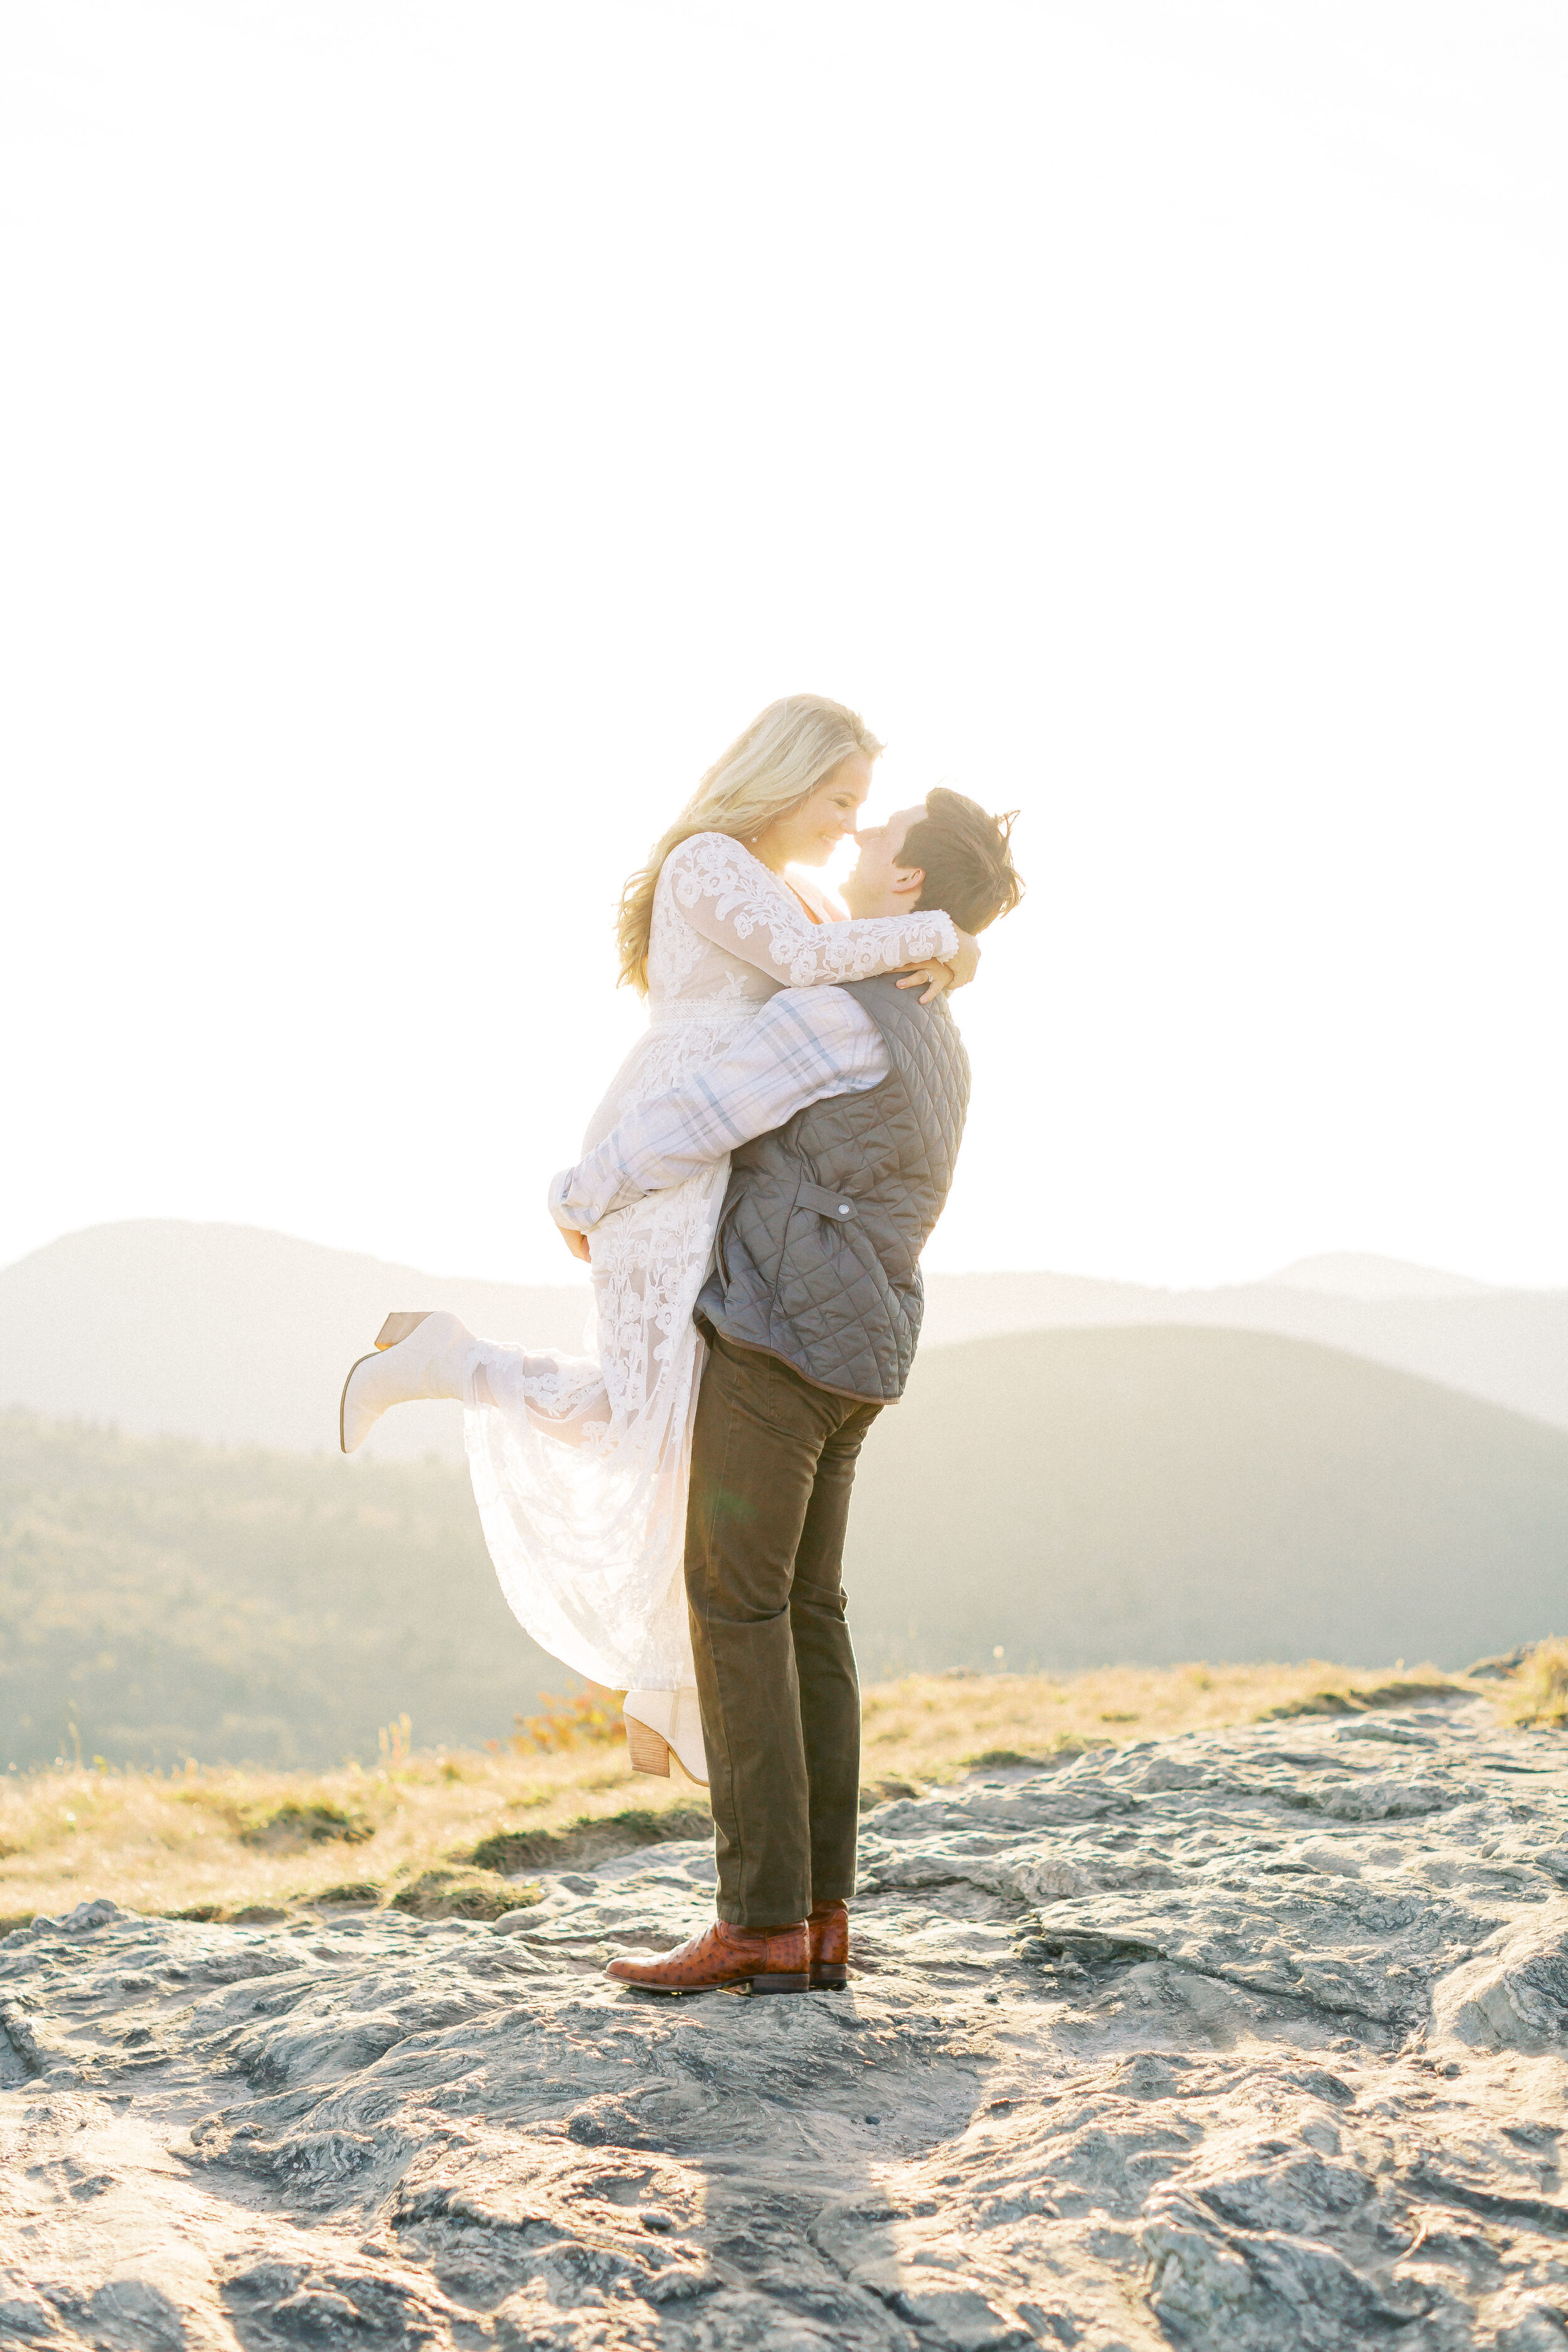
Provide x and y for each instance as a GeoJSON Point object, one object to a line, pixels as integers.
{"type": "Point", "coordinates": [415, 1356]}
{"type": "Point", "coordinates": [660, 1721]}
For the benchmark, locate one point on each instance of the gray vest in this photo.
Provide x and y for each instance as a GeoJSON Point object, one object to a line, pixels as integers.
{"type": "Point", "coordinates": [817, 1257]}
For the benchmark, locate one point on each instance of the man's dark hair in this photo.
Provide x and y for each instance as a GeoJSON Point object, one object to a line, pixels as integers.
{"type": "Point", "coordinates": [966, 858]}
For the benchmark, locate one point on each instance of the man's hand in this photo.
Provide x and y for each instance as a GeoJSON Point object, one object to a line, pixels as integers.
{"type": "Point", "coordinates": [576, 1243]}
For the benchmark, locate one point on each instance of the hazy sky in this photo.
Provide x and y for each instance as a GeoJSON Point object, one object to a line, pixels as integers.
{"type": "Point", "coordinates": [430, 431]}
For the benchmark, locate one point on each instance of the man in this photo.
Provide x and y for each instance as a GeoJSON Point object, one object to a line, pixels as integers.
{"type": "Point", "coordinates": [842, 1108]}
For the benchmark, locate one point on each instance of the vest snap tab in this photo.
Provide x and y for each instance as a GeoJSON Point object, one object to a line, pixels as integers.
{"type": "Point", "coordinates": [843, 1208]}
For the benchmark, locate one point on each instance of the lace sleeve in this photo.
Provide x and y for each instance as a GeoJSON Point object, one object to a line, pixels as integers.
{"type": "Point", "coordinates": [732, 898]}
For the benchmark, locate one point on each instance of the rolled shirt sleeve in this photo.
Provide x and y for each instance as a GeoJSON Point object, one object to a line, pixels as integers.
{"type": "Point", "coordinates": [805, 1044]}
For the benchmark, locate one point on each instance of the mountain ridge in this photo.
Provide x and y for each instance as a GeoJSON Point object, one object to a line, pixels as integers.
{"type": "Point", "coordinates": [236, 1334]}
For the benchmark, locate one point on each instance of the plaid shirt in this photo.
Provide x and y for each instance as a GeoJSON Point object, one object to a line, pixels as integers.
{"type": "Point", "coordinates": [805, 1044]}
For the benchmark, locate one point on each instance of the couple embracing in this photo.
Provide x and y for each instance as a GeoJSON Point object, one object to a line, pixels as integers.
{"type": "Point", "coordinates": [666, 1513]}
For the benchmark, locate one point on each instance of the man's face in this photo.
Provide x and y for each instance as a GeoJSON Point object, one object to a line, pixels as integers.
{"type": "Point", "coordinates": [880, 885]}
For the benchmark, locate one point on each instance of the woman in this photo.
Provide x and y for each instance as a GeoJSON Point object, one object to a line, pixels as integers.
{"type": "Point", "coordinates": [581, 1463]}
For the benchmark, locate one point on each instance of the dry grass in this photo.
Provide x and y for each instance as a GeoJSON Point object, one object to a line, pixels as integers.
{"type": "Point", "coordinates": [223, 1843]}
{"type": "Point", "coordinates": [229, 1839]}
{"type": "Point", "coordinates": [1537, 1695]}
{"type": "Point", "coordinates": [929, 1726]}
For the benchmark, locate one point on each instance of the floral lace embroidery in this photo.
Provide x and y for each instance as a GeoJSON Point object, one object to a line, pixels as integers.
{"type": "Point", "coordinates": [746, 900]}
{"type": "Point", "coordinates": [674, 949]}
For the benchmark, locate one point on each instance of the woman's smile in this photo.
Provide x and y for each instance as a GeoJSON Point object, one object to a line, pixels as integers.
{"type": "Point", "coordinates": [809, 834]}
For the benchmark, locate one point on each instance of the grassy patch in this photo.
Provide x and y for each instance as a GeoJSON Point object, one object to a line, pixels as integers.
{"type": "Point", "coordinates": [887, 1790]}
{"type": "Point", "coordinates": [361, 1892]}
{"type": "Point", "coordinates": [1000, 1759]}
{"type": "Point", "coordinates": [1354, 1700]}
{"type": "Point", "coordinates": [590, 1840]}
{"type": "Point", "coordinates": [461, 1892]}
{"type": "Point", "coordinates": [278, 1828]}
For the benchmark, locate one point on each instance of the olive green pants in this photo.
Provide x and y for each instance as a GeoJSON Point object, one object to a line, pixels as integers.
{"type": "Point", "coordinates": [773, 1461]}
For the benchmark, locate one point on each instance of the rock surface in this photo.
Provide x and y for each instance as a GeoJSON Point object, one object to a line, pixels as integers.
{"type": "Point", "coordinates": [1253, 2038]}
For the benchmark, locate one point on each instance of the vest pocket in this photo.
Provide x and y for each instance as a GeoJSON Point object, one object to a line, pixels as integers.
{"type": "Point", "coordinates": [837, 1207]}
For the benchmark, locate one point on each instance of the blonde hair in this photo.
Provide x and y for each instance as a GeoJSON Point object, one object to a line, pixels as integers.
{"type": "Point", "coordinates": [768, 770]}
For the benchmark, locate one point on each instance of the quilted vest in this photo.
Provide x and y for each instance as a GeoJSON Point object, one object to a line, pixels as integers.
{"type": "Point", "coordinates": [817, 1257]}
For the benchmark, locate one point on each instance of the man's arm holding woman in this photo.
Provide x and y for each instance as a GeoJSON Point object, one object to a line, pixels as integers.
{"type": "Point", "coordinates": [804, 1044]}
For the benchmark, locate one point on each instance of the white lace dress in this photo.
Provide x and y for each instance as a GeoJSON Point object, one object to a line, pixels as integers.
{"type": "Point", "coordinates": [581, 1463]}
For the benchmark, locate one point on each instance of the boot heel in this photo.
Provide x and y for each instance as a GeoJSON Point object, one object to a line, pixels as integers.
{"type": "Point", "coordinates": [791, 1983]}
{"type": "Point", "coordinates": [827, 1977]}
{"type": "Point", "coordinates": [398, 1326]}
{"type": "Point", "coordinates": [649, 1750]}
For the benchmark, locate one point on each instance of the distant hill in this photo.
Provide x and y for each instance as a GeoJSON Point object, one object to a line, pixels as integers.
{"type": "Point", "coordinates": [1510, 1347]}
{"type": "Point", "coordinates": [167, 1598]}
{"type": "Point", "coordinates": [232, 1333]}
{"type": "Point", "coordinates": [1154, 1495]}
{"type": "Point", "coordinates": [1075, 1498]}
{"type": "Point", "coordinates": [1360, 1274]}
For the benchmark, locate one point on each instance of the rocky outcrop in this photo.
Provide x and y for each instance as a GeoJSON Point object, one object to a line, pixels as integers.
{"type": "Point", "coordinates": [1251, 2040]}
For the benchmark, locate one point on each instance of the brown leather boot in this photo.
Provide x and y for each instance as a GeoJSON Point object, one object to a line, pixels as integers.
{"type": "Point", "coordinates": [829, 1928]}
{"type": "Point", "coordinates": [769, 1959]}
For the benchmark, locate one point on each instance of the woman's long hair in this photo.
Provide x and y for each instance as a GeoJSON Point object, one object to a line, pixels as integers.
{"type": "Point", "coordinates": [769, 770]}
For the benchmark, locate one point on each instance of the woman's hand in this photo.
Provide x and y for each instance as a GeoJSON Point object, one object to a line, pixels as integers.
{"type": "Point", "coordinates": [576, 1243]}
{"type": "Point", "coordinates": [934, 975]}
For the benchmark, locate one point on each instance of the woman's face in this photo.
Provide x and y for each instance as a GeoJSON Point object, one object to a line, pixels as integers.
{"type": "Point", "coordinates": [809, 834]}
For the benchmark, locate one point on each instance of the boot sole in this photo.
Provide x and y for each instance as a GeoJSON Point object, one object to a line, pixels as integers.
{"type": "Point", "coordinates": [343, 1402]}
{"type": "Point", "coordinates": [827, 1976]}
{"type": "Point", "coordinates": [768, 1984]}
